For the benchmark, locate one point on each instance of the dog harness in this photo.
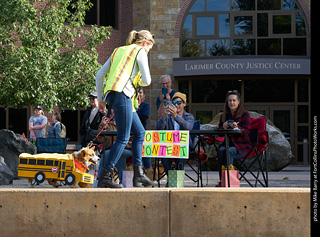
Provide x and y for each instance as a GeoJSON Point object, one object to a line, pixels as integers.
{"type": "Point", "coordinates": [80, 166]}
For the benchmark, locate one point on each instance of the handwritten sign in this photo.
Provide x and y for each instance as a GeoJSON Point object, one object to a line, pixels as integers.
{"type": "Point", "coordinates": [166, 144]}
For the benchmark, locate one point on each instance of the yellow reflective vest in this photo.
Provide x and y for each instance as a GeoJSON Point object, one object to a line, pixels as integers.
{"type": "Point", "coordinates": [122, 63]}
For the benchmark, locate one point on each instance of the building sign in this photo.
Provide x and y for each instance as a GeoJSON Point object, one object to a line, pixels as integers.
{"type": "Point", "coordinates": [166, 144]}
{"type": "Point", "coordinates": [222, 66]}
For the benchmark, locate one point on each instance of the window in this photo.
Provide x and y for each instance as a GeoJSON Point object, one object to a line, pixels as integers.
{"type": "Point", "coordinates": [265, 91]}
{"type": "Point", "coordinates": [71, 120]}
{"type": "Point", "coordinates": [49, 162]}
{"type": "Point", "coordinates": [32, 161]}
{"type": "Point", "coordinates": [40, 162]}
{"type": "Point", "coordinates": [281, 24]}
{"type": "Point", "coordinates": [18, 120]}
{"type": "Point", "coordinates": [243, 27]}
{"type": "Point", "coordinates": [102, 13]}
{"type": "Point", "coordinates": [23, 161]}
{"type": "Point", "coordinates": [205, 26]}
{"type": "Point", "coordinates": [2, 118]}
{"type": "Point", "coordinates": [212, 91]}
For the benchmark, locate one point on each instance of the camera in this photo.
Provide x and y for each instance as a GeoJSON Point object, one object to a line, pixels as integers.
{"type": "Point", "coordinates": [167, 103]}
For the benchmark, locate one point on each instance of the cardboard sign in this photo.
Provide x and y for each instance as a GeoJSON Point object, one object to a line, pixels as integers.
{"type": "Point", "coordinates": [166, 144]}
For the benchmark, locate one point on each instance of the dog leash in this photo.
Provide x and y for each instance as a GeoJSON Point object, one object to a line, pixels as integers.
{"type": "Point", "coordinates": [91, 142]}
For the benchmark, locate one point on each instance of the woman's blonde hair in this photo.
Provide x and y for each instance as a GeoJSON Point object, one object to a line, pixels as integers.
{"type": "Point", "coordinates": [138, 37]}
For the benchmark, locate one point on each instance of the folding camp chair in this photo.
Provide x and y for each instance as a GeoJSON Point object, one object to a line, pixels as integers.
{"type": "Point", "coordinates": [259, 140]}
{"type": "Point", "coordinates": [51, 145]}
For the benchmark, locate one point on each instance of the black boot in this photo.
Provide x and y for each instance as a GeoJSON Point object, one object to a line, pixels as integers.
{"type": "Point", "coordinates": [140, 179]}
{"type": "Point", "coordinates": [106, 179]}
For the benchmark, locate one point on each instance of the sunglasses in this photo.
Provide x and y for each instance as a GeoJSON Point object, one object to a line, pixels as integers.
{"type": "Point", "coordinates": [177, 102]}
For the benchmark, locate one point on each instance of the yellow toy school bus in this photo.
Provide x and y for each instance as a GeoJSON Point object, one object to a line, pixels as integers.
{"type": "Point", "coordinates": [55, 166]}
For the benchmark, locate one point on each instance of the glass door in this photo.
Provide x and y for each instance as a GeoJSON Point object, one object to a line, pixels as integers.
{"type": "Point", "coordinates": [206, 113]}
{"type": "Point", "coordinates": [264, 110]}
{"type": "Point", "coordinates": [283, 118]}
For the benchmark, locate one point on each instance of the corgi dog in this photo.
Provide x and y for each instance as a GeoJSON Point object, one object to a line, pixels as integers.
{"type": "Point", "coordinates": [85, 155]}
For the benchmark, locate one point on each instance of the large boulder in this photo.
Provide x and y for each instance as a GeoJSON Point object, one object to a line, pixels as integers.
{"type": "Point", "coordinates": [11, 146]}
{"type": "Point", "coordinates": [279, 154]}
{"type": "Point", "coordinates": [6, 175]}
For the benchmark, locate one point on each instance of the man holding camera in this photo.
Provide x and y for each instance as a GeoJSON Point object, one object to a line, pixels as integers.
{"type": "Point", "coordinates": [174, 117]}
{"type": "Point", "coordinates": [166, 93]}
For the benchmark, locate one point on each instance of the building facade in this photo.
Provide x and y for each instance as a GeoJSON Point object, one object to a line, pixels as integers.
{"type": "Point", "coordinates": [261, 48]}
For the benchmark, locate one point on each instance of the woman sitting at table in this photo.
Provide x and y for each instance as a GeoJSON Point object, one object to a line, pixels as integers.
{"type": "Point", "coordinates": [234, 117]}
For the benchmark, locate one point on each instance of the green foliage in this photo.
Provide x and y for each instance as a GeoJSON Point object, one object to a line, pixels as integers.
{"type": "Point", "coordinates": [40, 61]}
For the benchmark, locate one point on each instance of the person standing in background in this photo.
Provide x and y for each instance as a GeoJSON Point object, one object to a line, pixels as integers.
{"type": "Point", "coordinates": [91, 120]}
{"type": "Point", "coordinates": [144, 108]}
{"type": "Point", "coordinates": [144, 113]}
{"type": "Point", "coordinates": [166, 93]}
{"type": "Point", "coordinates": [37, 124]}
{"type": "Point", "coordinates": [56, 127]}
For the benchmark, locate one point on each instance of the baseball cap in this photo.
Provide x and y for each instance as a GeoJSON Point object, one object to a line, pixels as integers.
{"type": "Point", "coordinates": [38, 107]}
{"type": "Point", "coordinates": [94, 94]}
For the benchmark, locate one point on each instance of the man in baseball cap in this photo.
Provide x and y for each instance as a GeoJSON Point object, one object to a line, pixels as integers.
{"type": "Point", "coordinates": [37, 124]}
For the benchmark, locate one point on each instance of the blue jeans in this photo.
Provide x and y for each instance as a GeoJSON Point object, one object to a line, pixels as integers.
{"type": "Point", "coordinates": [121, 165]}
{"type": "Point", "coordinates": [146, 162]}
{"type": "Point", "coordinates": [222, 158]}
{"type": "Point", "coordinates": [126, 121]}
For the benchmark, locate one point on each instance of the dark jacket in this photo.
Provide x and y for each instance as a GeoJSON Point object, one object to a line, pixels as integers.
{"type": "Point", "coordinates": [85, 137]}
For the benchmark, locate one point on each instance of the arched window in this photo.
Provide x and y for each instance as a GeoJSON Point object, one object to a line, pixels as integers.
{"type": "Point", "coordinates": [243, 27]}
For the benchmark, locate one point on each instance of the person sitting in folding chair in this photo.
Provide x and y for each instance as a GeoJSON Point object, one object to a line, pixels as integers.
{"type": "Point", "coordinates": [234, 116]}
{"type": "Point", "coordinates": [175, 118]}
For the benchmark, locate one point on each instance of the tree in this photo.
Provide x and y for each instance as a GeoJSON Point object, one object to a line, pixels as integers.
{"type": "Point", "coordinates": [40, 61]}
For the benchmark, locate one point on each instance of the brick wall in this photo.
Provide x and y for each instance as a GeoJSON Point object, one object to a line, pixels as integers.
{"type": "Point", "coordinates": [118, 36]}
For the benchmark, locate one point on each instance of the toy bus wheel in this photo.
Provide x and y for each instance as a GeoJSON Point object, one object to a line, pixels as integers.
{"type": "Point", "coordinates": [40, 177]}
{"type": "Point", "coordinates": [70, 179]}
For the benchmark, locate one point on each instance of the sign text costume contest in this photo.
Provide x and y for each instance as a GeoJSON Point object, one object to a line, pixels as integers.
{"type": "Point", "coordinates": [166, 144]}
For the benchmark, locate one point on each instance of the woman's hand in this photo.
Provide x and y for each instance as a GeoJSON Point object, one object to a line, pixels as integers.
{"type": "Point", "coordinates": [225, 125]}
{"type": "Point", "coordinates": [228, 124]}
{"type": "Point", "coordinates": [233, 125]}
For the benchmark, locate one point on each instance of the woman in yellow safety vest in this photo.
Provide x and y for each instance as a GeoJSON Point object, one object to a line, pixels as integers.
{"type": "Point", "coordinates": [126, 68]}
